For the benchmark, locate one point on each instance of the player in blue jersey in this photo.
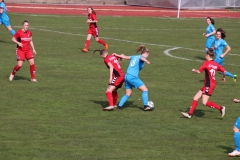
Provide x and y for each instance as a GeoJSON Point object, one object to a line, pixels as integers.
{"type": "Point", "coordinates": [219, 45]}
{"type": "Point", "coordinates": [236, 130]}
{"type": "Point", "coordinates": [131, 78]}
{"type": "Point", "coordinates": [4, 19]}
{"type": "Point", "coordinates": [210, 31]}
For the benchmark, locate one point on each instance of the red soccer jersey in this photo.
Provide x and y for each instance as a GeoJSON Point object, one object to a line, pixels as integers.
{"type": "Point", "coordinates": [93, 17]}
{"type": "Point", "coordinates": [210, 68]}
{"type": "Point", "coordinates": [24, 38]}
{"type": "Point", "coordinates": [117, 70]}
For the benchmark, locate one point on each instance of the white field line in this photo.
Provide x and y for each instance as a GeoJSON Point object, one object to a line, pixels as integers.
{"type": "Point", "coordinates": [166, 52]}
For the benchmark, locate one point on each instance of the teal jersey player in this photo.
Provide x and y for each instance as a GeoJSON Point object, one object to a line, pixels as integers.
{"type": "Point", "coordinates": [4, 19]}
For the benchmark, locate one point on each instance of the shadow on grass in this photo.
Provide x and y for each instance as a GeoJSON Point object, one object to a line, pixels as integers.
{"type": "Point", "coordinates": [227, 149]}
{"type": "Point", "coordinates": [1, 41]}
{"type": "Point", "coordinates": [16, 78]}
{"type": "Point", "coordinates": [197, 112]}
{"type": "Point", "coordinates": [126, 105]}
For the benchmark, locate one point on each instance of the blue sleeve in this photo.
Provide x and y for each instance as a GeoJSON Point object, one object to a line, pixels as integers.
{"type": "Point", "coordinates": [224, 43]}
{"type": "Point", "coordinates": [141, 64]}
{"type": "Point", "coordinates": [212, 28]}
{"type": "Point", "coordinates": [237, 123]}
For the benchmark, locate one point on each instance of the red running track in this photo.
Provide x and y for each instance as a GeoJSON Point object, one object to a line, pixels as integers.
{"type": "Point", "coordinates": [118, 11]}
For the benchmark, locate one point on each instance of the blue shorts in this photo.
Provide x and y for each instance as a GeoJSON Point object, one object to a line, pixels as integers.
{"type": "Point", "coordinates": [6, 23]}
{"type": "Point", "coordinates": [219, 61]}
{"type": "Point", "coordinates": [237, 123]}
{"type": "Point", "coordinates": [132, 82]}
{"type": "Point", "coordinates": [209, 42]}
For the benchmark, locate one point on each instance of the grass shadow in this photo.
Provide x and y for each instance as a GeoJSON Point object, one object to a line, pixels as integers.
{"type": "Point", "coordinates": [197, 112]}
{"type": "Point", "coordinates": [126, 105]}
{"type": "Point", "coordinates": [1, 41]}
{"type": "Point", "coordinates": [227, 149]}
{"type": "Point", "coordinates": [16, 78]}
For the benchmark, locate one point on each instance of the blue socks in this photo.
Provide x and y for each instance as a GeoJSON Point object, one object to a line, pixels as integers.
{"type": "Point", "coordinates": [237, 140]}
{"type": "Point", "coordinates": [228, 74]}
{"type": "Point", "coordinates": [145, 98]}
{"type": "Point", "coordinates": [12, 32]}
{"type": "Point", "coordinates": [123, 100]}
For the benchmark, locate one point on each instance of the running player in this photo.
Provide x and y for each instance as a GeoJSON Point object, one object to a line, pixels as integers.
{"type": "Point", "coordinates": [93, 30]}
{"type": "Point", "coordinates": [210, 67]}
{"type": "Point", "coordinates": [116, 78]}
{"type": "Point", "coordinates": [219, 45]}
{"type": "Point", "coordinates": [210, 31]}
{"type": "Point", "coordinates": [236, 130]}
{"type": "Point", "coordinates": [23, 39]}
{"type": "Point", "coordinates": [4, 19]}
{"type": "Point", "coordinates": [131, 78]}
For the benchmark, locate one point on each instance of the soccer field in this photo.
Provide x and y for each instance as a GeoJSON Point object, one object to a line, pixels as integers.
{"type": "Point", "coordinates": [60, 117]}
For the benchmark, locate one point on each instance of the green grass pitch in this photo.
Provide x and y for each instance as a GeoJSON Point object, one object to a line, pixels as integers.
{"type": "Point", "coordinates": [61, 116]}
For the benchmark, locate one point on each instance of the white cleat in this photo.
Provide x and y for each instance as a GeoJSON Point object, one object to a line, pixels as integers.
{"type": "Point", "coordinates": [33, 80]}
{"type": "Point", "coordinates": [186, 115]}
{"type": "Point", "coordinates": [109, 108]}
{"type": "Point", "coordinates": [234, 153]}
{"type": "Point", "coordinates": [222, 111]}
{"type": "Point", "coordinates": [11, 77]}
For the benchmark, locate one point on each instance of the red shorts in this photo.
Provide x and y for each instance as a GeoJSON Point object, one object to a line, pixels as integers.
{"type": "Point", "coordinates": [22, 55]}
{"type": "Point", "coordinates": [207, 90]}
{"type": "Point", "coordinates": [117, 81]}
{"type": "Point", "coordinates": [93, 31]}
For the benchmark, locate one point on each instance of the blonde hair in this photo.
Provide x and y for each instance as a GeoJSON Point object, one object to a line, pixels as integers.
{"type": "Point", "coordinates": [142, 48]}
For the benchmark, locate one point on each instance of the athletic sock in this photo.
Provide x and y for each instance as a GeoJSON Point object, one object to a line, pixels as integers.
{"type": "Point", "coordinates": [237, 140]}
{"type": "Point", "coordinates": [109, 98]}
{"type": "Point", "coordinates": [87, 44]}
{"type": "Point", "coordinates": [101, 42]}
{"type": "Point", "coordinates": [123, 100]}
{"type": "Point", "coordinates": [15, 69]}
{"type": "Point", "coordinates": [193, 107]}
{"type": "Point", "coordinates": [213, 105]}
{"type": "Point", "coordinates": [12, 32]}
{"type": "Point", "coordinates": [32, 71]}
{"type": "Point", "coordinates": [228, 74]}
{"type": "Point", "coordinates": [115, 97]}
{"type": "Point", "coordinates": [145, 98]}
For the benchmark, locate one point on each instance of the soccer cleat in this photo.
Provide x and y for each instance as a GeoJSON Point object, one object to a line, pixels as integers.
{"type": "Point", "coordinates": [106, 46]}
{"type": "Point", "coordinates": [234, 153]}
{"type": "Point", "coordinates": [186, 115]}
{"type": "Point", "coordinates": [109, 108]}
{"type": "Point", "coordinates": [222, 111]}
{"type": "Point", "coordinates": [84, 50]}
{"type": "Point", "coordinates": [11, 77]}
{"type": "Point", "coordinates": [33, 80]}
{"type": "Point", "coordinates": [148, 109]}
{"type": "Point", "coordinates": [234, 78]}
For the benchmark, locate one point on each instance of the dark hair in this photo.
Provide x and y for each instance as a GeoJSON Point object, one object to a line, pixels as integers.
{"type": "Point", "coordinates": [223, 33]}
{"type": "Point", "coordinates": [142, 48]}
{"type": "Point", "coordinates": [102, 51]}
{"type": "Point", "coordinates": [25, 21]}
{"type": "Point", "coordinates": [92, 10]}
{"type": "Point", "coordinates": [210, 52]}
{"type": "Point", "coordinates": [211, 19]}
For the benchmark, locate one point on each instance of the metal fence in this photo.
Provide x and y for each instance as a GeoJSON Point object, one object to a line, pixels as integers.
{"type": "Point", "coordinates": [186, 4]}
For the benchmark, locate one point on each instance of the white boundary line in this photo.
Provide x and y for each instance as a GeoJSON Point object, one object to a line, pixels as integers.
{"type": "Point", "coordinates": [166, 52]}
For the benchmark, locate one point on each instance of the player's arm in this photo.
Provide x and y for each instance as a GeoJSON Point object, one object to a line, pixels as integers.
{"type": "Point", "coordinates": [15, 41]}
{"type": "Point", "coordinates": [228, 48]}
{"type": "Point", "coordinates": [196, 71]}
{"type": "Point", "coordinates": [221, 69]}
{"type": "Point", "coordinates": [1, 10]}
{"type": "Point", "coordinates": [111, 72]}
{"type": "Point", "coordinates": [145, 60]}
{"type": "Point", "coordinates": [122, 56]}
{"type": "Point", "coordinates": [33, 48]}
{"type": "Point", "coordinates": [235, 129]}
{"type": "Point", "coordinates": [210, 34]}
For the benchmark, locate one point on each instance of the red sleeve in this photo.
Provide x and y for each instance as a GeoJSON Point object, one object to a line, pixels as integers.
{"type": "Point", "coordinates": [94, 17]}
{"type": "Point", "coordinates": [16, 35]}
{"type": "Point", "coordinates": [202, 67]}
{"type": "Point", "coordinates": [221, 69]}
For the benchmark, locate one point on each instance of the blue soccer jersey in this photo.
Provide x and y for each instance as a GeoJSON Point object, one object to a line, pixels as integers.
{"type": "Point", "coordinates": [135, 65]}
{"type": "Point", "coordinates": [210, 28]}
{"type": "Point", "coordinates": [237, 123]}
{"type": "Point", "coordinates": [219, 45]}
{"type": "Point", "coordinates": [3, 16]}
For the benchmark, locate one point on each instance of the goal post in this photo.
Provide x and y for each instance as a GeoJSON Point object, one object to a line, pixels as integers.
{"type": "Point", "coordinates": [179, 8]}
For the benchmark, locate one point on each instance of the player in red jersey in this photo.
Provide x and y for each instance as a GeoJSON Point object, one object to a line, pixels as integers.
{"type": "Point", "coordinates": [116, 78]}
{"type": "Point", "coordinates": [23, 39]}
{"type": "Point", "coordinates": [93, 30]}
{"type": "Point", "coordinates": [210, 67]}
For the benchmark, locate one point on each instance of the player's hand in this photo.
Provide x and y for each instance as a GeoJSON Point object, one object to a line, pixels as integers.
{"type": "Point", "coordinates": [223, 80]}
{"type": "Point", "coordinates": [221, 56]}
{"type": "Point", "coordinates": [236, 101]}
{"type": "Point", "coordinates": [20, 44]}
{"type": "Point", "coordinates": [148, 62]}
{"type": "Point", "coordinates": [204, 34]}
{"type": "Point", "coordinates": [34, 51]}
{"type": "Point", "coordinates": [193, 70]}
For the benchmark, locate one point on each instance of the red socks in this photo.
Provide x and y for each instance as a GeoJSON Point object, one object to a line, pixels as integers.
{"type": "Point", "coordinates": [87, 44]}
{"type": "Point", "coordinates": [101, 42]}
{"type": "Point", "coordinates": [15, 69]}
{"type": "Point", "coordinates": [193, 107]}
{"type": "Point", "coordinates": [115, 97]}
{"type": "Point", "coordinates": [213, 105]}
{"type": "Point", "coordinates": [109, 98]}
{"type": "Point", "coordinates": [32, 71]}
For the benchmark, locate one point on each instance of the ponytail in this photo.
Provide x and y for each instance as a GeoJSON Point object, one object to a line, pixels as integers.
{"type": "Point", "coordinates": [142, 48]}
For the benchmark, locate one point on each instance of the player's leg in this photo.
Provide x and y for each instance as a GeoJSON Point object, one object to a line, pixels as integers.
{"type": "Point", "coordinates": [88, 40]}
{"type": "Point", "coordinates": [125, 97]}
{"type": "Point", "coordinates": [32, 69]}
{"type": "Point", "coordinates": [15, 69]}
{"type": "Point", "coordinates": [99, 40]}
{"type": "Point", "coordinates": [109, 96]}
{"type": "Point", "coordinates": [8, 26]}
